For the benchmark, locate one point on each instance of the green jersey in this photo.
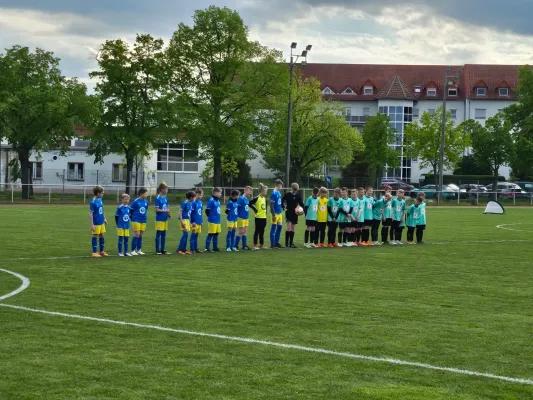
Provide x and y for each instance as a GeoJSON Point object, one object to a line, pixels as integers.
{"type": "Point", "coordinates": [421, 220]}
{"type": "Point", "coordinates": [362, 209]}
{"type": "Point", "coordinates": [388, 210]}
{"type": "Point", "coordinates": [412, 216]}
{"type": "Point", "coordinates": [312, 209]}
{"type": "Point", "coordinates": [334, 207]}
{"type": "Point", "coordinates": [379, 209]}
{"type": "Point", "coordinates": [355, 209]}
{"type": "Point", "coordinates": [398, 209]}
{"type": "Point", "coordinates": [369, 202]}
{"type": "Point", "coordinates": [346, 209]}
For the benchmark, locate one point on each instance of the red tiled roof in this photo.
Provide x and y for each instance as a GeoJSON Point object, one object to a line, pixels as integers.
{"type": "Point", "coordinates": [340, 76]}
{"type": "Point", "coordinates": [396, 89]}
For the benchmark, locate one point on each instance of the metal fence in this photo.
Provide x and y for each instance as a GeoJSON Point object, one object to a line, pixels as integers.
{"type": "Point", "coordinates": [82, 194]}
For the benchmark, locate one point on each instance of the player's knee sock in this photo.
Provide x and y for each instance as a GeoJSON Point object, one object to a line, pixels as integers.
{"type": "Point", "coordinates": [233, 239]}
{"type": "Point", "coordinates": [120, 239]}
{"type": "Point", "coordinates": [102, 243]}
{"type": "Point", "coordinates": [163, 240]}
{"type": "Point", "coordinates": [392, 233]}
{"type": "Point", "coordinates": [244, 241]}
{"type": "Point", "coordinates": [339, 237]}
{"type": "Point", "coordinates": [193, 241]}
{"type": "Point", "coordinates": [140, 243]}
{"type": "Point", "coordinates": [183, 241]}
{"type": "Point", "coordinates": [322, 235]}
{"type": "Point", "coordinates": [237, 240]}
{"type": "Point", "coordinates": [384, 234]}
{"type": "Point", "coordinates": [228, 239]}
{"type": "Point", "coordinates": [125, 240]}
{"type": "Point", "coordinates": [94, 243]}
{"type": "Point", "coordinates": [208, 241]}
{"type": "Point", "coordinates": [157, 241]}
{"type": "Point", "coordinates": [306, 237]}
{"type": "Point", "coordinates": [287, 238]}
{"type": "Point", "coordinates": [273, 230]}
{"type": "Point", "coordinates": [134, 243]}
{"type": "Point", "coordinates": [278, 233]}
{"type": "Point", "coordinates": [215, 241]}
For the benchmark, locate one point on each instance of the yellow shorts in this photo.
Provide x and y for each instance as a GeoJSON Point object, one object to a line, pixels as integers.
{"type": "Point", "coordinates": [197, 229]}
{"type": "Point", "coordinates": [123, 232]}
{"type": "Point", "coordinates": [98, 229]}
{"type": "Point", "coordinates": [213, 228]}
{"type": "Point", "coordinates": [161, 225]}
{"type": "Point", "coordinates": [243, 223]}
{"type": "Point", "coordinates": [231, 224]}
{"type": "Point", "coordinates": [139, 226]}
{"type": "Point", "coordinates": [277, 219]}
{"type": "Point", "coordinates": [187, 225]}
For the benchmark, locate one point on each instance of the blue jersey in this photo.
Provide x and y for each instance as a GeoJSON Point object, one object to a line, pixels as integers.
{"type": "Point", "coordinates": [97, 208]}
{"type": "Point", "coordinates": [123, 214]}
{"type": "Point", "coordinates": [275, 200]}
{"type": "Point", "coordinates": [243, 207]}
{"type": "Point", "coordinates": [161, 202]}
{"type": "Point", "coordinates": [232, 209]}
{"type": "Point", "coordinates": [196, 212]}
{"type": "Point", "coordinates": [213, 205]}
{"type": "Point", "coordinates": [140, 211]}
{"type": "Point", "coordinates": [186, 208]}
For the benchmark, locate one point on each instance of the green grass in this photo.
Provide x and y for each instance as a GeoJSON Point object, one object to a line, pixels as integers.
{"type": "Point", "coordinates": [465, 304]}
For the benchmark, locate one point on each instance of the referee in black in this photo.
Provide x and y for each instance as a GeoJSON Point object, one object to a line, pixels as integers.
{"type": "Point", "coordinates": [290, 201]}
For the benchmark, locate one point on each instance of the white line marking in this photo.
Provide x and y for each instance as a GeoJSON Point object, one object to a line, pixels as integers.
{"type": "Point", "coordinates": [502, 226]}
{"type": "Point", "coordinates": [24, 286]}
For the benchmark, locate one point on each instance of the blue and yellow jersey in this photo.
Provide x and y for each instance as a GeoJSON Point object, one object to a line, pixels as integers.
{"type": "Point", "coordinates": [185, 209]}
{"type": "Point", "coordinates": [275, 201]}
{"type": "Point", "coordinates": [139, 209]}
{"type": "Point", "coordinates": [123, 214]}
{"type": "Point", "coordinates": [213, 205]}
{"type": "Point", "coordinates": [97, 208]}
{"type": "Point", "coordinates": [243, 204]}
{"type": "Point", "coordinates": [232, 210]}
{"type": "Point", "coordinates": [196, 212]}
{"type": "Point", "coordinates": [161, 202]}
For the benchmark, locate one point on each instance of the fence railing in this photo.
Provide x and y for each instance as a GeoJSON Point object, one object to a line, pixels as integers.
{"type": "Point", "coordinates": [82, 194]}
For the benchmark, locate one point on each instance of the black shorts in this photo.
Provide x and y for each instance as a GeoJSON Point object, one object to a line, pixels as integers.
{"type": "Point", "coordinates": [368, 222]}
{"type": "Point", "coordinates": [359, 225]}
{"type": "Point", "coordinates": [308, 222]}
{"type": "Point", "coordinates": [354, 224]}
{"type": "Point", "coordinates": [387, 222]}
{"type": "Point", "coordinates": [344, 225]}
{"type": "Point", "coordinates": [421, 227]}
{"type": "Point", "coordinates": [291, 217]}
{"type": "Point", "coordinates": [321, 225]}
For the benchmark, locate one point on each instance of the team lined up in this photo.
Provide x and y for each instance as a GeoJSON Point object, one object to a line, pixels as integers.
{"type": "Point", "coordinates": [356, 214]}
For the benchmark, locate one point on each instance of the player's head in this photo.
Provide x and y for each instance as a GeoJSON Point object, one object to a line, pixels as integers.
{"type": "Point", "coordinates": [217, 192]}
{"type": "Point", "coordinates": [387, 197]}
{"type": "Point", "coordinates": [417, 201]}
{"type": "Point", "coordinates": [361, 191]}
{"type": "Point", "coordinates": [387, 189]}
{"type": "Point", "coordinates": [199, 193]}
{"type": "Point", "coordinates": [422, 197]}
{"type": "Point", "coordinates": [235, 194]}
{"type": "Point", "coordinates": [125, 198]}
{"type": "Point", "coordinates": [336, 193]}
{"type": "Point", "coordinates": [369, 191]}
{"type": "Point", "coordinates": [353, 194]}
{"type": "Point", "coordinates": [295, 187]}
{"type": "Point", "coordinates": [142, 193]}
{"type": "Point", "coordinates": [400, 194]}
{"type": "Point", "coordinates": [248, 191]}
{"type": "Point", "coordinates": [279, 184]}
{"type": "Point", "coordinates": [162, 188]}
{"type": "Point", "coordinates": [323, 192]}
{"type": "Point", "coordinates": [344, 192]}
{"type": "Point", "coordinates": [315, 192]}
{"type": "Point", "coordinates": [263, 190]}
{"type": "Point", "coordinates": [98, 191]}
{"type": "Point", "coordinates": [191, 196]}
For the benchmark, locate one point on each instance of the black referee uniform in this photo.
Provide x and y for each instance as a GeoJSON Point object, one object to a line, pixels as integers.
{"type": "Point", "coordinates": [291, 200]}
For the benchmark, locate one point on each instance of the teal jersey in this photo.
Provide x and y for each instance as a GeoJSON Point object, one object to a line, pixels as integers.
{"type": "Point", "coordinates": [345, 206]}
{"type": "Point", "coordinates": [421, 214]}
{"type": "Point", "coordinates": [369, 202]}
{"type": "Point", "coordinates": [379, 209]}
{"type": "Point", "coordinates": [334, 206]}
{"type": "Point", "coordinates": [312, 209]}
{"type": "Point", "coordinates": [362, 209]}
{"type": "Point", "coordinates": [388, 210]}
{"type": "Point", "coordinates": [398, 208]}
{"type": "Point", "coordinates": [355, 209]}
{"type": "Point", "coordinates": [412, 215]}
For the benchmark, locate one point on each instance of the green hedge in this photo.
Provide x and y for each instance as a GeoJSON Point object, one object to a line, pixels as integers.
{"type": "Point", "coordinates": [460, 179]}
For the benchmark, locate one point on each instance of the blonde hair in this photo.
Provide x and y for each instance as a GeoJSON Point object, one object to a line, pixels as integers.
{"type": "Point", "coordinates": [124, 196]}
{"type": "Point", "coordinates": [401, 191]}
{"type": "Point", "coordinates": [295, 187]}
{"type": "Point", "coordinates": [388, 196]}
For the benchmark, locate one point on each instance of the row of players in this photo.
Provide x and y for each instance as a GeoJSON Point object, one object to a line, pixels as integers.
{"type": "Point", "coordinates": [356, 213]}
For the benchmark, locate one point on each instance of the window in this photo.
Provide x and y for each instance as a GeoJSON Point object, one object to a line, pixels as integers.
{"type": "Point", "coordinates": [418, 89]}
{"type": "Point", "coordinates": [175, 157]}
{"type": "Point", "coordinates": [366, 111]}
{"type": "Point", "coordinates": [432, 92]}
{"type": "Point", "coordinates": [75, 172]}
{"type": "Point", "coordinates": [327, 91]}
{"type": "Point", "coordinates": [452, 92]}
{"type": "Point", "coordinates": [431, 111]}
{"type": "Point", "coordinates": [36, 168]}
{"type": "Point", "coordinates": [415, 112]}
{"type": "Point", "coordinates": [480, 113]}
{"type": "Point", "coordinates": [348, 112]}
{"type": "Point", "coordinates": [368, 90]}
{"type": "Point", "coordinates": [119, 173]}
{"type": "Point", "coordinates": [348, 91]}
{"type": "Point", "coordinates": [504, 91]}
{"type": "Point", "coordinates": [481, 91]}
{"type": "Point", "coordinates": [454, 113]}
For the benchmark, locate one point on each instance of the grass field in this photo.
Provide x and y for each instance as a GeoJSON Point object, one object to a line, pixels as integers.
{"type": "Point", "coordinates": [463, 300]}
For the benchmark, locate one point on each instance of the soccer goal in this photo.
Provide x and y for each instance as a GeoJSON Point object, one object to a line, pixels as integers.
{"type": "Point", "coordinates": [494, 207]}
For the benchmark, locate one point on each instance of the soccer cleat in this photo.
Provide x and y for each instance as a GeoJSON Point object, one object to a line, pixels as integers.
{"type": "Point", "coordinates": [410, 242]}
{"type": "Point", "coordinates": [165, 253]}
{"type": "Point", "coordinates": [128, 254]}
{"type": "Point", "coordinates": [330, 245]}
{"type": "Point", "coordinates": [158, 253]}
{"type": "Point", "coordinates": [217, 250]}
{"type": "Point", "coordinates": [228, 249]}
{"type": "Point", "coordinates": [188, 253]}
{"type": "Point", "coordinates": [255, 248]}
{"type": "Point", "coordinates": [197, 252]}
{"type": "Point", "coordinates": [246, 248]}
{"type": "Point", "coordinates": [120, 255]}
{"type": "Point", "coordinates": [140, 253]}
{"type": "Point", "coordinates": [235, 249]}
{"type": "Point", "coordinates": [279, 246]}
{"type": "Point", "coordinates": [181, 252]}
{"type": "Point", "coordinates": [207, 251]}
{"type": "Point", "coordinates": [337, 245]}
{"type": "Point", "coordinates": [398, 242]}
{"type": "Point", "coordinates": [292, 246]}
{"type": "Point", "coordinates": [421, 242]}
{"type": "Point", "coordinates": [104, 254]}
{"type": "Point", "coordinates": [96, 255]}
{"type": "Point", "coordinates": [393, 242]}
{"type": "Point", "coordinates": [349, 244]}
{"type": "Point", "coordinates": [274, 247]}
{"type": "Point", "coordinates": [307, 245]}
{"type": "Point", "coordinates": [133, 253]}
{"type": "Point", "coordinates": [314, 246]}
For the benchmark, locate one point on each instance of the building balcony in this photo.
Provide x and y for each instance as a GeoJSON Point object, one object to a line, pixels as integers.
{"type": "Point", "coordinates": [356, 118]}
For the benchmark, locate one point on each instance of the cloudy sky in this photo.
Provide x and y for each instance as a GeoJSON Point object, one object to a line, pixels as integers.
{"type": "Point", "coordinates": [341, 31]}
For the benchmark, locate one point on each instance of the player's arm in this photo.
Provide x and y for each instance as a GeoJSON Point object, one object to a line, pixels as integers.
{"type": "Point", "coordinates": [252, 204]}
{"type": "Point", "coordinates": [299, 200]}
{"type": "Point", "coordinates": [91, 219]}
{"type": "Point", "coordinates": [272, 206]}
{"type": "Point", "coordinates": [116, 216]}
{"type": "Point", "coordinates": [330, 212]}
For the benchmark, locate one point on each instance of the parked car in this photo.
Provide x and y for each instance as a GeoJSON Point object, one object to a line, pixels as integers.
{"type": "Point", "coordinates": [396, 184]}
{"type": "Point", "coordinates": [526, 186]}
{"type": "Point", "coordinates": [514, 194]}
{"type": "Point", "coordinates": [469, 189]}
{"type": "Point", "coordinates": [503, 186]}
{"type": "Point", "coordinates": [431, 192]}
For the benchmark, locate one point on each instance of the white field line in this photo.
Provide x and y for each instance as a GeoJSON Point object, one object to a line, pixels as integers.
{"type": "Point", "coordinates": [504, 226]}
{"type": "Point", "coordinates": [26, 283]}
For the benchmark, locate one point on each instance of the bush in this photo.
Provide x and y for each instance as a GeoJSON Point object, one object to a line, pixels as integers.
{"type": "Point", "coordinates": [460, 179]}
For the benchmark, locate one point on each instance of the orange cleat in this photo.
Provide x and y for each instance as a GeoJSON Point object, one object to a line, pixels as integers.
{"type": "Point", "coordinates": [96, 255]}
{"type": "Point", "coordinates": [336, 245]}
{"type": "Point", "coordinates": [103, 254]}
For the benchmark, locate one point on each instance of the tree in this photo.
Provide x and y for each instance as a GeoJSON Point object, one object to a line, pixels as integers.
{"type": "Point", "coordinates": [422, 140]}
{"type": "Point", "coordinates": [133, 112]}
{"type": "Point", "coordinates": [378, 136]}
{"type": "Point", "coordinates": [39, 107]}
{"type": "Point", "coordinates": [469, 166]}
{"type": "Point", "coordinates": [520, 115]}
{"type": "Point", "coordinates": [492, 144]}
{"type": "Point", "coordinates": [319, 132]}
{"type": "Point", "coordinates": [220, 82]}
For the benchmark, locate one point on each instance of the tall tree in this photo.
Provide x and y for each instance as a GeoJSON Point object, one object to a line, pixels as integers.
{"type": "Point", "coordinates": [39, 107]}
{"type": "Point", "coordinates": [221, 81]}
{"type": "Point", "coordinates": [492, 144]}
{"type": "Point", "coordinates": [423, 138]}
{"type": "Point", "coordinates": [319, 132]}
{"type": "Point", "coordinates": [133, 113]}
{"type": "Point", "coordinates": [378, 136]}
{"type": "Point", "coordinates": [469, 166]}
{"type": "Point", "coordinates": [520, 116]}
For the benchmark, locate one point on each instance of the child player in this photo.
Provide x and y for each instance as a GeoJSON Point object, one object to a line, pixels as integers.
{"type": "Point", "coordinates": [412, 216]}
{"type": "Point", "coordinates": [398, 217]}
{"type": "Point", "coordinates": [421, 221]}
{"type": "Point", "coordinates": [379, 215]}
{"type": "Point", "coordinates": [333, 216]}
{"type": "Point", "coordinates": [322, 217]}
{"type": "Point", "coordinates": [368, 215]}
{"type": "Point", "coordinates": [345, 219]}
{"type": "Point", "coordinates": [355, 213]}
{"type": "Point", "coordinates": [243, 212]}
{"type": "Point", "coordinates": [185, 222]}
{"type": "Point", "coordinates": [291, 201]}
{"type": "Point", "coordinates": [162, 214]}
{"type": "Point", "coordinates": [98, 222]}
{"type": "Point", "coordinates": [139, 216]}
{"type": "Point", "coordinates": [276, 209]}
{"type": "Point", "coordinates": [232, 212]}
{"type": "Point", "coordinates": [212, 210]}
{"type": "Point", "coordinates": [387, 220]}
{"type": "Point", "coordinates": [196, 220]}
{"type": "Point", "coordinates": [258, 204]}
{"type": "Point", "coordinates": [360, 216]}
{"type": "Point", "coordinates": [122, 219]}
{"type": "Point", "coordinates": [311, 212]}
